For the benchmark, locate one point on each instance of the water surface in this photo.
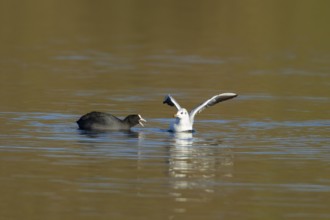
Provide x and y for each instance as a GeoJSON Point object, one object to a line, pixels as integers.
{"type": "Point", "coordinates": [262, 155]}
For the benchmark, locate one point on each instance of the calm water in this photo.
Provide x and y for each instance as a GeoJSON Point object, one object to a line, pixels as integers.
{"type": "Point", "coordinates": [262, 155]}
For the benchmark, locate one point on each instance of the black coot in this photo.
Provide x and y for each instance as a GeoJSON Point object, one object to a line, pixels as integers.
{"type": "Point", "coordinates": [105, 121]}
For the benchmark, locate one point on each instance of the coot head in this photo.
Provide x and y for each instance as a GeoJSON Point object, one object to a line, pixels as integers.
{"type": "Point", "coordinates": [133, 120]}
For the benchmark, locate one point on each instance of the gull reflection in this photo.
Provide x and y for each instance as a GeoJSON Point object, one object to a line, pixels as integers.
{"type": "Point", "coordinates": [183, 138]}
{"type": "Point", "coordinates": [196, 163]}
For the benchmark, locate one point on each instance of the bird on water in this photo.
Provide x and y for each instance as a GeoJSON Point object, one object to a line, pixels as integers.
{"type": "Point", "coordinates": [183, 120]}
{"type": "Point", "coordinates": [105, 121]}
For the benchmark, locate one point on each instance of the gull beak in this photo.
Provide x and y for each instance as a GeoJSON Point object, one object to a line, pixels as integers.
{"type": "Point", "coordinates": [142, 120]}
{"type": "Point", "coordinates": [175, 115]}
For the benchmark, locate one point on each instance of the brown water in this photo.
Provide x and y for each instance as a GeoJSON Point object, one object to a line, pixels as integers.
{"type": "Point", "coordinates": [263, 155]}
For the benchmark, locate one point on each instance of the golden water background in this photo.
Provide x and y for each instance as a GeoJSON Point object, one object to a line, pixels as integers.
{"type": "Point", "coordinates": [263, 155]}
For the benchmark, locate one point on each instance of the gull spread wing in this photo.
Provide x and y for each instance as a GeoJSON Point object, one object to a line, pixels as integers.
{"type": "Point", "coordinates": [171, 101]}
{"type": "Point", "coordinates": [212, 101]}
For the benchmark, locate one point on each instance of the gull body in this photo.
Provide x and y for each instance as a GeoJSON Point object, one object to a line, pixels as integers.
{"type": "Point", "coordinates": [184, 120]}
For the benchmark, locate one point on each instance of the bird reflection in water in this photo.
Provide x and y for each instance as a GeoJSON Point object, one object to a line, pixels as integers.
{"type": "Point", "coordinates": [100, 133]}
{"type": "Point", "coordinates": [198, 164]}
{"type": "Point", "coordinates": [101, 140]}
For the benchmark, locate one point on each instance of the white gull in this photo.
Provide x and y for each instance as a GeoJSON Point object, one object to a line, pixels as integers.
{"type": "Point", "coordinates": [183, 120]}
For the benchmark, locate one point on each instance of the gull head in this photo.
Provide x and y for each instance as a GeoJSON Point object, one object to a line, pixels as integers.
{"type": "Point", "coordinates": [182, 114]}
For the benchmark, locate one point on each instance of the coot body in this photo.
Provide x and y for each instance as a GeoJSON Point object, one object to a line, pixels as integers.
{"type": "Point", "coordinates": [105, 121]}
